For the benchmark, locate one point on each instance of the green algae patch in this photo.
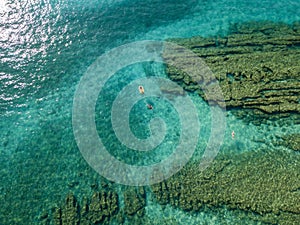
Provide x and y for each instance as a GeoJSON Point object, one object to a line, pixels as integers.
{"type": "Point", "coordinates": [264, 184]}
{"type": "Point", "coordinates": [257, 66]}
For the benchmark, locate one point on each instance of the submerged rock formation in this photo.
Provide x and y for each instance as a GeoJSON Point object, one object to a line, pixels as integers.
{"type": "Point", "coordinates": [257, 66]}
{"type": "Point", "coordinates": [258, 69]}
{"type": "Point", "coordinates": [101, 208]}
{"type": "Point", "coordinates": [291, 141]}
{"type": "Point", "coordinates": [265, 184]}
{"type": "Point", "coordinates": [135, 202]}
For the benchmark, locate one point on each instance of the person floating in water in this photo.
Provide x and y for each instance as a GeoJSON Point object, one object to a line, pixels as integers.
{"type": "Point", "coordinates": [149, 106]}
{"type": "Point", "coordinates": [141, 90]}
{"type": "Point", "coordinates": [232, 134]}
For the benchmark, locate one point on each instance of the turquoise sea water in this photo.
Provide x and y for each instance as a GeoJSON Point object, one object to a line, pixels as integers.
{"type": "Point", "coordinates": [46, 47]}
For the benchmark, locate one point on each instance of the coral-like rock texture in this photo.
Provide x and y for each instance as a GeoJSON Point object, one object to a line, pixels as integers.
{"type": "Point", "coordinates": [291, 141]}
{"type": "Point", "coordinates": [264, 184]}
{"type": "Point", "coordinates": [103, 207]}
{"type": "Point", "coordinates": [135, 201]}
{"type": "Point", "coordinates": [257, 66]}
{"type": "Point", "coordinates": [99, 209]}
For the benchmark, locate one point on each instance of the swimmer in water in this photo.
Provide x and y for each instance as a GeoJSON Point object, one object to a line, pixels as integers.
{"type": "Point", "coordinates": [149, 106]}
{"type": "Point", "coordinates": [141, 90]}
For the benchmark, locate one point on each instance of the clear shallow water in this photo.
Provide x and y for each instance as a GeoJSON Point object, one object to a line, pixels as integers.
{"type": "Point", "coordinates": [46, 47]}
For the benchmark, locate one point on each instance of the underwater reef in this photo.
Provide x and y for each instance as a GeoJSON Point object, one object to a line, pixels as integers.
{"type": "Point", "coordinates": [257, 67]}
{"type": "Point", "coordinates": [264, 184]}
{"type": "Point", "coordinates": [101, 207]}
{"type": "Point", "coordinates": [291, 141]}
{"type": "Point", "coordinates": [260, 186]}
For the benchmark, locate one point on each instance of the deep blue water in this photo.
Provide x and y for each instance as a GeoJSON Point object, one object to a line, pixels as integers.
{"type": "Point", "coordinates": [47, 46]}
